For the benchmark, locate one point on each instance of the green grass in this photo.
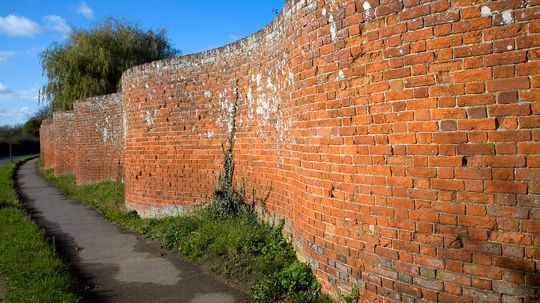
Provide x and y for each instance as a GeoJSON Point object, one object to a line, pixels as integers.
{"type": "Point", "coordinates": [29, 266]}
{"type": "Point", "coordinates": [243, 249]}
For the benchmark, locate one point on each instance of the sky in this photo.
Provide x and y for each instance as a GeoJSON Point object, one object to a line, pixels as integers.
{"type": "Point", "coordinates": [27, 27]}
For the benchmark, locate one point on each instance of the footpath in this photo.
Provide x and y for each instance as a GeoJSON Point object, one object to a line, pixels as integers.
{"type": "Point", "coordinates": [119, 265]}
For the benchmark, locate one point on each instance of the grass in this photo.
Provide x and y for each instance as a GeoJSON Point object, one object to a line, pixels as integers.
{"type": "Point", "coordinates": [29, 267]}
{"type": "Point", "coordinates": [243, 249]}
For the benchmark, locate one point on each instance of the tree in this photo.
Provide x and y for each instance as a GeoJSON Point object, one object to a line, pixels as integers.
{"type": "Point", "coordinates": [31, 127]}
{"type": "Point", "coordinates": [91, 62]}
{"type": "Point", "coordinates": [43, 113]}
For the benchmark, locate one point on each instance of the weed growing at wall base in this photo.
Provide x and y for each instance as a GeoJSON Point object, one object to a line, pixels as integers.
{"type": "Point", "coordinates": [254, 255]}
{"type": "Point", "coordinates": [29, 266]}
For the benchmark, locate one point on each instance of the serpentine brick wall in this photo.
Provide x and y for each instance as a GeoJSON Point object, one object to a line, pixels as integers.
{"type": "Point", "coordinates": [399, 140]}
{"type": "Point", "coordinates": [99, 139]}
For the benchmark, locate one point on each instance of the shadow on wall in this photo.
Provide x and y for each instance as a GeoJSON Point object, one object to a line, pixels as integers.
{"type": "Point", "coordinates": [400, 141]}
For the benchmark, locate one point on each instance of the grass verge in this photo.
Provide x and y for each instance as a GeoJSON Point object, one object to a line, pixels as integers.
{"type": "Point", "coordinates": [29, 266]}
{"type": "Point", "coordinates": [243, 249]}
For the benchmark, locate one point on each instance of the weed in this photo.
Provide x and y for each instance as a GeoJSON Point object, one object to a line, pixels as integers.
{"type": "Point", "coordinates": [352, 297]}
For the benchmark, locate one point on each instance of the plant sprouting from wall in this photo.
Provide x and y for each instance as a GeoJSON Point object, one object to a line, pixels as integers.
{"type": "Point", "coordinates": [227, 202]}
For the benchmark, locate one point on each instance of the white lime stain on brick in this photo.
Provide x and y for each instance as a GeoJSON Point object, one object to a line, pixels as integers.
{"type": "Point", "coordinates": [507, 17]}
{"type": "Point", "coordinates": [208, 94]}
{"type": "Point", "coordinates": [509, 47]}
{"type": "Point", "coordinates": [210, 135]}
{"type": "Point", "coordinates": [333, 27]}
{"type": "Point", "coordinates": [124, 124]}
{"type": "Point", "coordinates": [367, 8]}
{"type": "Point", "coordinates": [105, 135]}
{"type": "Point", "coordinates": [225, 110]}
{"type": "Point", "coordinates": [149, 120]}
{"type": "Point", "coordinates": [340, 76]}
{"type": "Point", "coordinates": [249, 105]}
{"type": "Point", "coordinates": [485, 11]}
{"type": "Point", "coordinates": [290, 79]}
{"type": "Point", "coordinates": [324, 12]}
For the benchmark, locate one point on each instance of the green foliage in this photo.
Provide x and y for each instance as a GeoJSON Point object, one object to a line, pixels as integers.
{"type": "Point", "coordinates": [91, 62]}
{"type": "Point", "coordinates": [44, 112]}
{"type": "Point", "coordinates": [28, 263]}
{"type": "Point", "coordinates": [31, 127]}
{"type": "Point", "coordinates": [352, 297]}
{"type": "Point", "coordinates": [21, 144]}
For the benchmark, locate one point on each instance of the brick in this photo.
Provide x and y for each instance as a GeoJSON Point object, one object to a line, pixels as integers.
{"type": "Point", "coordinates": [448, 125]}
{"type": "Point", "coordinates": [514, 289]}
{"type": "Point", "coordinates": [508, 84]}
{"type": "Point", "coordinates": [506, 187]}
{"type": "Point", "coordinates": [476, 112]}
{"type": "Point", "coordinates": [486, 272]}
{"type": "Point", "coordinates": [514, 263]}
{"type": "Point", "coordinates": [512, 238]}
{"type": "Point", "coordinates": [476, 149]}
{"type": "Point", "coordinates": [473, 75]}
{"type": "Point", "coordinates": [480, 295]}
{"type": "Point", "coordinates": [444, 42]}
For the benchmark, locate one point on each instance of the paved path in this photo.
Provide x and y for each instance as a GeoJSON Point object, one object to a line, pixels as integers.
{"type": "Point", "coordinates": [5, 160]}
{"type": "Point", "coordinates": [123, 266]}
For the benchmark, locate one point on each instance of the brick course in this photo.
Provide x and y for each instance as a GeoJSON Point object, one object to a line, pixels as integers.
{"type": "Point", "coordinates": [399, 140]}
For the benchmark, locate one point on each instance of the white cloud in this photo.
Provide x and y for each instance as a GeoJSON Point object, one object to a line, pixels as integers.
{"type": "Point", "coordinates": [5, 55]}
{"type": "Point", "coordinates": [14, 115]}
{"type": "Point", "coordinates": [16, 106]}
{"type": "Point", "coordinates": [16, 26]}
{"type": "Point", "coordinates": [4, 90]}
{"type": "Point", "coordinates": [25, 110]}
{"type": "Point", "coordinates": [57, 24]}
{"type": "Point", "coordinates": [85, 10]}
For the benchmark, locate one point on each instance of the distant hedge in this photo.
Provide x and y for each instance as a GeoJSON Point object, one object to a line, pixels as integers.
{"type": "Point", "coordinates": [21, 147]}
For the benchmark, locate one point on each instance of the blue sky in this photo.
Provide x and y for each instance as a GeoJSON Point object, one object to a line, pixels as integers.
{"type": "Point", "coordinates": [27, 27]}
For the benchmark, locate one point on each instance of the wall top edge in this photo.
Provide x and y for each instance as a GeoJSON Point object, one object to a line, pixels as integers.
{"type": "Point", "coordinates": [63, 114]}
{"type": "Point", "coordinates": [101, 98]}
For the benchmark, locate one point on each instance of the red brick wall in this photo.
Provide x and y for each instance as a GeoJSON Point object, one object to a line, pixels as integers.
{"type": "Point", "coordinates": [99, 139]}
{"type": "Point", "coordinates": [46, 139]}
{"type": "Point", "coordinates": [64, 143]}
{"type": "Point", "coordinates": [399, 139]}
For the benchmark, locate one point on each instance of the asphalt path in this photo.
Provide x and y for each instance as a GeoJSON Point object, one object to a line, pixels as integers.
{"type": "Point", "coordinates": [120, 265]}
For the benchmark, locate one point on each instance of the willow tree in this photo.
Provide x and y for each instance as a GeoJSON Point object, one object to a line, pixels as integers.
{"type": "Point", "coordinates": [91, 62]}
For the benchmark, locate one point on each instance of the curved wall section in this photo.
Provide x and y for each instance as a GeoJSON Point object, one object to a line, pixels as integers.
{"type": "Point", "coordinates": [46, 141]}
{"type": "Point", "coordinates": [64, 143]}
{"type": "Point", "coordinates": [179, 113]}
{"type": "Point", "coordinates": [99, 128]}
